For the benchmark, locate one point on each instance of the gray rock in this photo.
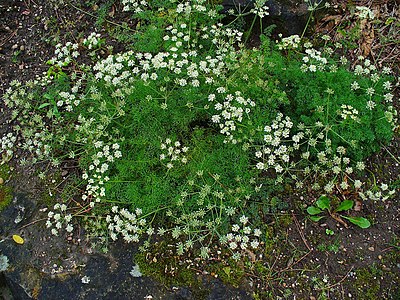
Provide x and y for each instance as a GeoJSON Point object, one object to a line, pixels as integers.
{"type": "Point", "coordinates": [28, 276]}
{"type": "Point", "coordinates": [290, 16]}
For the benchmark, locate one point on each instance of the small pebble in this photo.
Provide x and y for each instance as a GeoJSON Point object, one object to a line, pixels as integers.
{"type": "Point", "coordinates": [1, 180]}
{"type": "Point", "coordinates": [371, 249]}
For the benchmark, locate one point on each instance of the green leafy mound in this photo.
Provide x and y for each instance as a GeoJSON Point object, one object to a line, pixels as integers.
{"type": "Point", "coordinates": [179, 135]}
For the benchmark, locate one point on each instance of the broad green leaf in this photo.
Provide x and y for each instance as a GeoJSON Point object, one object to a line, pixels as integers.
{"type": "Point", "coordinates": [324, 202]}
{"type": "Point", "coordinates": [43, 105]}
{"type": "Point", "coordinates": [312, 210]}
{"type": "Point", "coordinates": [56, 112]}
{"type": "Point", "coordinates": [316, 218]}
{"type": "Point", "coordinates": [48, 97]}
{"type": "Point", "coordinates": [345, 205]}
{"type": "Point", "coordinates": [359, 221]}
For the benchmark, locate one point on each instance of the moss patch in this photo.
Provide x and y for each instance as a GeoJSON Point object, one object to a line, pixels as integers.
{"type": "Point", "coordinates": [166, 268]}
{"type": "Point", "coordinates": [368, 283]}
{"type": "Point", "coordinates": [5, 191]}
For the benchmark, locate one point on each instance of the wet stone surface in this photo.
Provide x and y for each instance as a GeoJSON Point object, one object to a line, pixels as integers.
{"type": "Point", "coordinates": [290, 16]}
{"type": "Point", "coordinates": [45, 267]}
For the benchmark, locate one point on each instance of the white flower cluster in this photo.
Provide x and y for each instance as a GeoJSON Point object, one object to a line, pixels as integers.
{"type": "Point", "coordinates": [7, 143]}
{"type": "Point", "coordinates": [314, 61]}
{"type": "Point", "coordinates": [88, 131]}
{"type": "Point", "coordinates": [174, 153]}
{"type": "Point", "coordinates": [135, 6]}
{"type": "Point", "coordinates": [122, 70]}
{"type": "Point", "coordinates": [230, 112]}
{"type": "Point", "coordinates": [68, 100]}
{"type": "Point", "coordinates": [348, 111]}
{"type": "Point", "coordinates": [274, 153]}
{"type": "Point", "coordinates": [64, 55]}
{"type": "Point", "coordinates": [365, 13]}
{"type": "Point", "coordinates": [177, 36]}
{"type": "Point", "coordinates": [290, 42]}
{"type": "Point", "coordinates": [182, 60]}
{"type": "Point", "coordinates": [222, 37]}
{"type": "Point", "coordinates": [391, 117]}
{"type": "Point", "coordinates": [37, 142]}
{"type": "Point", "coordinates": [31, 130]}
{"type": "Point", "coordinates": [241, 237]}
{"type": "Point", "coordinates": [366, 69]}
{"type": "Point", "coordinates": [92, 41]}
{"type": "Point", "coordinates": [95, 175]}
{"type": "Point", "coordinates": [378, 193]}
{"type": "Point", "coordinates": [188, 8]}
{"type": "Point", "coordinates": [32, 114]}
{"type": "Point", "coordinates": [207, 211]}
{"type": "Point", "coordinates": [260, 9]}
{"type": "Point", "coordinates": [299, 156]}
{"type": "Point", "coordinates": [129, 225]}
{"type": "Point", "coordinates": [313, 4]}
{"type": "Point", "coordinates": [58, 219]}
{"type": "Point", "coordinates": [338, 165]}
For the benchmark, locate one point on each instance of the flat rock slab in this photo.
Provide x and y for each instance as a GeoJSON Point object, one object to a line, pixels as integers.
{"type": "Point", "coordinates": [290, 16]}
{"type": "Point", "coordinates": [46, 267]}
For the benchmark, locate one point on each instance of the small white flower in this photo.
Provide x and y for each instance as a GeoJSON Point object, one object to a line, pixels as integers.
{"type": "Point", "coordinates": [260, 166]}
{"type": "Point", "coordinates": [235, 228]}
{"type": "Point", "coordinates": [85, 279]}
{"type": "Point", "coordinates": [384, 186]}
{"type": "Point", "coordinates": [69, 228]}
{"type": "Point", "coordinates": [357, 184]}
{"type": "Point", "coordinates": [233, 245]}
{"type": "Point", "coordinates": [135, 272]}
{"type": "Point", "coordinates": [312, 68]}
{"type": "Point", "coordinates": [247, 230]}
{"type": "Point", "coordinates": [387, 85]}
{"type": "Point", "coordinates": [257, 232]}
{"type": "Point", "coordinates": [243, 219]}
{"type": "Point", "coordinates": [254, 244]}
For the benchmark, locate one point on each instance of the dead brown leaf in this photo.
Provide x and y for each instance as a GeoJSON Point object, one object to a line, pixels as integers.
{"type": "Point", "coordinates": [358, 205]}
{"type": "Point", "coordinates": [339, 219]}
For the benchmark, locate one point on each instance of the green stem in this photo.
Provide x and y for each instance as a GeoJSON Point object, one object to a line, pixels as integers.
{"type": "Point", "coordinates": [394, 157]}
{"type": "Point", "coordinates": [250, 30]}
{"type": "Point", "coordinates": [305, 28]}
